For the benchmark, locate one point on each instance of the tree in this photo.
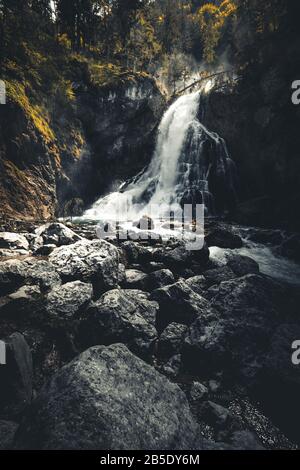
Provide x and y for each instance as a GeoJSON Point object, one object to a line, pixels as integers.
{"type": "Point", "coordinates": [212, 20]}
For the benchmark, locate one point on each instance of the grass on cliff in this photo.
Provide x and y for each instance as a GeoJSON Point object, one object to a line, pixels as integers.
{"type": "Point", "coordinates": [44, 84]}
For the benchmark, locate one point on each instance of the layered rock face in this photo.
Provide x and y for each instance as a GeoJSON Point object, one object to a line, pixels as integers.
{"type": "Point", "coordinates": [74, 151]}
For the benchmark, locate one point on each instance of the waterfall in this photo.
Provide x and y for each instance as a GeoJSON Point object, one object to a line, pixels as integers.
{"type": "Point", "coordinates": [190, 165]}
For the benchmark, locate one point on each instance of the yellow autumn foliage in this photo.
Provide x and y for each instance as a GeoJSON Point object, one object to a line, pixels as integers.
{"type": "Point", "coordinates": [212, 19]}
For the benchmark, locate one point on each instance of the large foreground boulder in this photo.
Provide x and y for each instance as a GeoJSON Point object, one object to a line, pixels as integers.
{"type": "Point", "coordinates": [94, 261]}
{"type": "Point", "coordinates": [108, 399]}
{"type": "Point", "coordinates": [121, 316]}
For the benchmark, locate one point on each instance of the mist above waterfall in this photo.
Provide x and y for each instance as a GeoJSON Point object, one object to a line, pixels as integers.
{"type": "Point", "coordinates": [190, 165]}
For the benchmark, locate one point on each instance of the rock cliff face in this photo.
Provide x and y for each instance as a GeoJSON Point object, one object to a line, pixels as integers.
{"type": "Point", "coordinates": [260, 125]}
{"type": "Point", "coordinates": [76, 151]}
{"type": "Point", "coordinates": [120, 125]}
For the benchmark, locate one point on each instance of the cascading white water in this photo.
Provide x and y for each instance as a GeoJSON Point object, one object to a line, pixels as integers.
{"type": "Point", "coordinates": [186, 156]}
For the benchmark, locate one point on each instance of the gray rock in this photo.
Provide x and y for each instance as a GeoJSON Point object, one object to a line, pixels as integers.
{"type": "Point", "coordinates": [125, 316]}
{"type": "Point", "coordinates": [245, 440]}
{"type": "Point", "coordinates": [135, 279]}
{"type": "Point", "coordinates": [13, 241]}
{"type": "Point", "coordinates": [13, 253]}
{"type": "Point", "coordinates": [197, 284]}
{"type": "Point", "coordinates": [15, 378]}
{"type": "Point", "coordinates": [237, 337]}
{"type": "Point", "coordinates": [154, 266]}
{"type": "Point", "coordinates": [24, 301]}
{"type": "Point", "coordinates": [54, 234]}
{"type": "Point", "coordinates": [224, 239]}
{"type": "Point", "coordinates": [14, 273]}
{"type": "Point", "coordinates": [11, 275]}
{"type": "Point", "coordinates": [135, 253]}
{"type": "Point", "coordinates": [214, 386]}
{"type": "Point", "coordinates": [218, 275]}
{"type": "Point", "coordinates": [180, 304]}
{"type": "Point", "coordinates": [41, 273]}
{"type": "Point", "coordinates": [94, 261]}
{"type": "Point", "coordinates": [239, 440]}
{"type": "Point", "coordinates": [161, 278]}
{"type": "Point", "coordinates": [171, 339]}
{"type": "Point", "coordinates": [198, 392]}
{"type": "Point", "coordinates": [121, 274]}
{"type": "Point", "coordinates": [145, 223]}
{"type": "Point", "coordinates": [215, 415]}
{"type": "Point", "coordinates": [45, 250]}
{"type": "Point", "coordinates": [26, 293]}
{"type": "Point", "coordinates": [180, 257]}
{"type": "Point", "coordinates": [107, 398]}
{"type": "Point", "coordinates": [172, 368]}
{"type": "Point", "coordinates": [242, 265]}
{"type": "Point", "coordinates": [7, 433]}
{"type": "Point", "coordinates": [66, 303]}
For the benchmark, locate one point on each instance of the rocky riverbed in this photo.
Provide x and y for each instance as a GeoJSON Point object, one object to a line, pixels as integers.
{"type": "Point", "coordinates": [142, 345]}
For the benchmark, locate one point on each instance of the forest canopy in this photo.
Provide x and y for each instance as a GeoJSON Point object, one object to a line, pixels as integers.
{"type": "Point", "coordinates": [175, 41]}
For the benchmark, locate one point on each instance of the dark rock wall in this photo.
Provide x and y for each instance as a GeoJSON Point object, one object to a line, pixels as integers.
{"type": "Point", "coordinates": [259, 123]}
{"type": "Point", "coordinates": [106, 135]}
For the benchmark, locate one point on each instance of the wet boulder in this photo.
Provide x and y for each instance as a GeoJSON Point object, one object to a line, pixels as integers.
{"type": "Point", "coordinates": [223, 238]}
{"type": "Point", "coordinates": [95, 262]}
{"type": "Point", "coordinates": [180, 304]}
{"type": "Point", "coordinates": [181, 257]}
{"type": "Point", "coordinates": [160, 278]}
{"type": "Point", "coordinates": [41, 273]}
{"type": "Point", "coordinates": [54, 234]}
{"type": "Point", "coordinates": [124, 316]}
{"type": "Point", "coordinates": [197, 284]}
{"type": "Point", "coordinates": [135, 253]}
{"type": "Point", "coordinates": [107, 398]}
{"type": "Point", "coordinates": [218, 275]}
{"type": "Point", "coordinates": [242, 265]}
{"type": "Point", "coordinates": [65, 304]}
{"type": "Point", "coordinates": [15, 273]}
